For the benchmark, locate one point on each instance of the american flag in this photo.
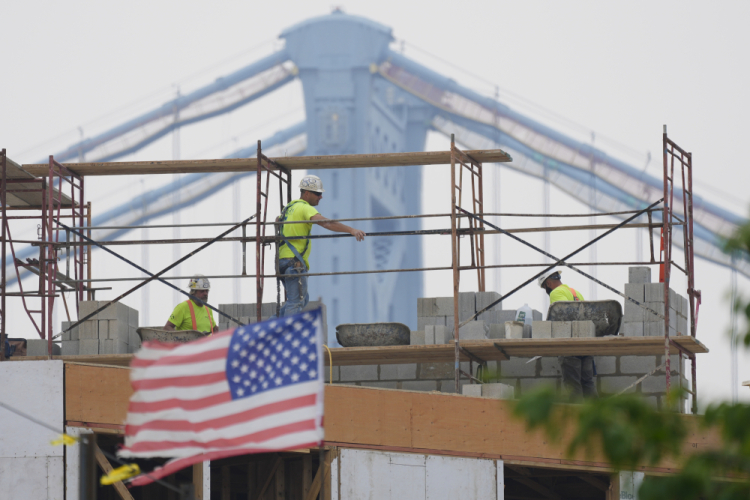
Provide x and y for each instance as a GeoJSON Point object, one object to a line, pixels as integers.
{"type": "Point", "coordinates": [254, 389]}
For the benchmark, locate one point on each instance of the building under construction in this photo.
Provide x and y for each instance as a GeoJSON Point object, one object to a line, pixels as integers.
{"type": "Point", "coordinates": [428, 418]}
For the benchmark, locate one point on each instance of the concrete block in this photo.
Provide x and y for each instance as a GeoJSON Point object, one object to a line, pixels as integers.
{"type": "Point", "coordinates": [69, 347]}
{"type": "Point", "coordinates": [518, 367]}
{"type": "Point", "coordinates": [656, 329]}
{"type": "Point", "coordinates": [489, 317]}
{"type": "Point", "coordinates": [536, 315]}
{"type": "Point", "coordinates": [89, 330]}
{"type": "Point", "coordinates": [443, 306]}
{"type": "Point", "coordinates": [106, 346]}
{"type": "Point", "coordinates": [39, 347]}
{"type": "Point", "coordinates": [673, 300]}
{"type": "Point", "coordinates": [613, 385]}
{"type": "Point", "coordinates": [484, 299]}
{"type": "Point", "coordinates": [398, 372]}
{"type": "Point", "coordinates": [327, 374]}
{"type": "Point", "coordinates": [529, 384]}
{"type": "Point", "coordinates": [633, 313]}
{"type": "Point", "coordinates": [637, 364]}
{"type": "Point", "coordinates": [652, 401]}
{"type": "Point", "coordinates": [506, 315]}
{"type": "Point", "coordinates": [658, 307]}
{"type": "Point", "coordinates": [685, 306]}
{"type": "Point", "coordinates": [682, 325]}
{"type": "Point", "coordinates": [88, 346]}
{"type": "Point", "coordinates": [550, 367]}
{"type": "Point", "coordinates": [640, 274]}
{"type": "Point", "coordinates": [449, 386]}
{"type": "Point", "coordinates": [132, 317]}
{"type": "Point", "coordinates": [104, 329]}
{"type": "Point", "coordinates": [541, 330]}
{"type": "Point", "coordinates": [474, 330]}
{"type": "Point", "coordinates": [72, 334]}
{"type": "Point", "coordinates": [418, 385]}
{"type": "Point", "coordinates": [434, 371]}
{"type": "Point", "coordinates": [450, 324]}
{"type": "Point", "coordinates": [526, 331]}
{"type": "Point", "coordinates": [134, 340]}
{"type": "Point", "coordinates": [436, 334]}
{"type": "Point", "coordinates": [417, 338]}
{"type": "Point", "coordinates": [513, 330]}
{"type": "Point", "coordinates": [466, 305]}
{"type": "Point", "coordinates": [474, 390]}
{"type": "Point", "coordinates": [429, 307]}
{"type": "Point", "coordinates": [605, 365]}
{"type": "Point", "coordinates": [635, 291]}
{"type": "Point", "coordinates": [672, 318]}
{"type": "Point", "coordinates": [496, 331]}
{"type": "Point", "coordinates": [86, 307]}
{"type": "Point", "coordinates": [654, 292]}
{"type": "Point", "coordinates": [118, 331]}
{"type": "Point", "coordinates": [432, 320]}
{"type": "Point", "coordinates": [381, 385]}
{"type": "Point", "coordinates": [120, 347]}
{"type": "Point", "coordinates": [116, 311]}
{"type": "Point", "coordinates": [632, 329]}
{"type": "Point", "coordinates": [359, 372]}
{"type": "Point", "coordinates": [655, 383]}
{"type": "Point", "coordinates": [583, 329]}
{"type": "Point", "coordinates": [561, 329]}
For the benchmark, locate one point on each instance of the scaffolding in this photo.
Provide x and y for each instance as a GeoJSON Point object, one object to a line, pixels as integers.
{"type": "Point", "coordinates": [467, 219]}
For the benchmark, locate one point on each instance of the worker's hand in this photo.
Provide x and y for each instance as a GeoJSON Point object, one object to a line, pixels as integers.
{"type": "Point", "coordinates": [360, 235]}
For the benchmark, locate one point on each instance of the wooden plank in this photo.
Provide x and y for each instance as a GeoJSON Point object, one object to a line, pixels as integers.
{"type": "Point", "coordinates": [291, 163]}
{"type": "Point", "coordinates": [198, 481]}
{"type": "Point", "coordinates": [306, 474]}
{"type": "Point", "coordinates": [114, 360]}
{"type": "Point", "coordinates": [97, 395]}
{"type": "Point", "coordinates": [120, 488]}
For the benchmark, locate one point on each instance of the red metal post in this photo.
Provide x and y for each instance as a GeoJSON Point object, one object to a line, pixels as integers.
{"type": "Point", "coordinates": [667, 258]}
{"type": "Point", "coordinates": [454, 256]}
{"type": "Point", "coordinates": [258, 244]}
{"type": "Point", "coordinates": [3, 197]}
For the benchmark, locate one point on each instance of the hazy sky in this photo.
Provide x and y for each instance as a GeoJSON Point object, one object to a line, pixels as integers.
{"type": "Point", "coordinates": [618, 69]}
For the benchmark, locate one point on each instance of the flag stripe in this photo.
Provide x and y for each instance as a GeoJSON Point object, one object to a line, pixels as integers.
{"type": "Point", "coordinates": [183, 404]}
{"type": "Point", "coordinates": [159, 371]}
{"type": "Point", "coordinates": [183, 393]}
{"type": "Point", "coordinates": [220, 353]}
{"type": "Point", "coordinates": [185, 381]}
{"type": "Point", "coordinates": [263, 435]}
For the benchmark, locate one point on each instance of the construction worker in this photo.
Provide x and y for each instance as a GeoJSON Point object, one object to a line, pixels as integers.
{"type": "Point", "coordinates": [294, 254]}
{"type": "Point", "coordinates": [578, 372]}
{"type": "Point", "coordinates": [192, 314]}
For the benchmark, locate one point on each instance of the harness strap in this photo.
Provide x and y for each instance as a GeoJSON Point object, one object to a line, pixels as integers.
{"type": "Point", "coordinates": [192, 316]}
{"type": "Point", "coordinates": [294, 250]}
{"type": "Point", "coordinates": [575, 295]}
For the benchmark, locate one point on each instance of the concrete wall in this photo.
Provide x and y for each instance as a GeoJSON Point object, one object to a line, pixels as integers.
{"type": "Point", "coordinates": [30, 467]}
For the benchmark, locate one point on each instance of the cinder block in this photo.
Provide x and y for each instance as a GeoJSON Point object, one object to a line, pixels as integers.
{"type": "Point", "coordinates": [450, 324]}
{"type": "Point", "coordinates": [466, 305]}
{"type": "Point", "coordinates": [118, 331]}
{"type": "Point", "coordinates": [89, 330]}
{"type": "Point", "coordinates": [505, 315]}
{"type": "Point", "coordinates": [633, 313]}
{"type": "Point", "coordinates": [541, 330]}
{"type": "Point", "coordinates": [513, 330]}
{"type": "Point", "coordinates": [474, 390]}
{"type": "Point", "coordinates": [655, 383]}
{"type": "Point", "coordinates": [417, 338]}
{"type": "Point", "coordinates": [132, 317]}
{"type": "Point", "coordinates": [672, 318]}
{"type": "Point", "coordinates": [518, 367]}
{"type": "Point", "coordinates": [106, 346]}
{"type": "Point", "coordinates": [474, 330]}
{"type": "Point", "coordinates": [484, 299]}
{"type": "Point", "coordinates": [116, 311]}
{"type": "Point", "coordinates": [449, 386]}
{"type": "Point", "coordinates": [432, 320]}
{"type": "Point", "coordinates": [434, 371]}
{"type": "Point", "coordinates": [429, 308]}
{"type": "Point", "coordinates": [104, 330]}
{"type": "Point", "coordinates": [536, 315]}
{"type": "Point", "coordinates": [682, 325]}
{"type": "Point", "coordinates": [398, 372]}
{"type": "Point", "coordinates": [583, 329]}
{"type": "Point", "coordinates": [654, 292]}
{"type": "Point", "coordinates": [550, 367]}
{"type": "Point", "coordinates": [632, 329]}
{"type": "Point", "coordinates": [39, 347]}
{"type": "Point", "coordinates": [640, 274]}
{"type": "Point", "coordinates": [498, 391]}
{"type": "Point", "coordinates": [86, 307]}
{"type": "Point", "coordinates": [230, 309]}
{"type": "Point", "coordinates": [381, 385]}
{"type": "Point", "coordinates": [529, 384]}
{"type": "Point", "coordinates": [685, 306]}
{"type": "Point", "coordinates": [72, 334]}
{"type": "Point", "coordinates": [635, 291]}
{"type": "Point", "coordinates": [526, 330]}
{"type": "Point", "coordinates": [561, 329]}
{"type": "Point", "coordinates": [613, 385]}
{"type": "Point", "coordinates": [88, 346]}
{"type": "Point", "coordinates": [652, 401]}
{"type": "Point", "coordinates": [605, 365]}
{"type": "Point", "coordinates": [69, 347]}
{"type": "Point", "coordinates": [436, 334]}
{"type": "Point", "coordinates": [327, 373]}
{"type": "Point", "coordinates": [637, 364]}
{"type": "Point", "coordinates": [656, 329]}
{"type": "Point", "coordinates": [443, 306]}
{"type": "Point", "coordinates": [496, 331]}
{"type": "Point", "coordinates": [654, 306]}
{"type": "Point", "coordinates": [134, 340]}
{"type": "Point", "coordinates": [418, 385]}
{"type": "Point", "coordinates": [359, 372]}
{"type": "Point", "coordinates": [120, 347]}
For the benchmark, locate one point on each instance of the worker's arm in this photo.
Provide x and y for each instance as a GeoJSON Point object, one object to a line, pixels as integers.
{"type": "Point", "coordinates": [338, 227]}
{"type": "Point", "coordinates": [169, 326]}
{"type": "Point", "coordinates": [216, 329]}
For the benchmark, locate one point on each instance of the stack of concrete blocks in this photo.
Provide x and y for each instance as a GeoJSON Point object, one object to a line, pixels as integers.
{"type": "Point", "coordinates": [639, 322]}
{"type": "Point", "coordinates": [39, 347]}
{"type": "Point", "coordinates": [435, 318]}
{"type": "Point", "coordinates": [247, 314]}
{"type": "Point", "coordinates": [111, 331]}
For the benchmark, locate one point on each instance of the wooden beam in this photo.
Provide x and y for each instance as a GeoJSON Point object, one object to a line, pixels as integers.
{"type": "Point", "coordinates": [251, 164]}
{"type": "Point", "coordinates": [120, 488]}
{"type": "Point", "coordinates": [198, 480]}
{"type": "Point", "coordinates": [319, 478]}
{"type": "Point", "coordinates": [306, 474]}
{"type": "Point", "coordinates": [597, 483]}
{"type": "Point", "coordinates": [226, 483]}
{"type": "Point", "coordinates": [271, 476]}
{"type": "Point", "coordinates": [543, 490]}
{"type": "Point", "coordinates": [280, 478]}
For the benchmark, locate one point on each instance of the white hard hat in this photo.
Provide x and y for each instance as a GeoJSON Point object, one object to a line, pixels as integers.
{"type": "Point", "coordinates": [546, 275]}
{"type": "Point", "coordinates": [311, 183]}
{"type": "Point", "coordinates": [199, 282]}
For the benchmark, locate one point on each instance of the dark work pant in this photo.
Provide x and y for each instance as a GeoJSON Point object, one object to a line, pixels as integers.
{"type": "Point", "coordinates": [578, 376]}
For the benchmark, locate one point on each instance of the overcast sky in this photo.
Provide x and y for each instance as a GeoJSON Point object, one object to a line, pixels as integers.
{"type": "Point", "coordinates": [619, 70]}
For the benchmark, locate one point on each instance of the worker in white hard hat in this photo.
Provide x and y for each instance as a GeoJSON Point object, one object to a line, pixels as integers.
{"type": "Point", "coordinates": [193, 314]}
{"type": "Point", "coordinates": [294, 253]}
{"type": "Point", "coordinates": [578, 372]}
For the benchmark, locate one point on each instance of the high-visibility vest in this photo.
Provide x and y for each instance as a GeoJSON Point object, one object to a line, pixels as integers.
{"type": "Point", "coordinates": [192, 316]}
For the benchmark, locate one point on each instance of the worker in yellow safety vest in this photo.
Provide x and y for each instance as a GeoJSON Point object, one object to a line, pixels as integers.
{"type": "Point", "coordinates": [192, 314]}
{"type": "Point", "coordinates": [578, 372]}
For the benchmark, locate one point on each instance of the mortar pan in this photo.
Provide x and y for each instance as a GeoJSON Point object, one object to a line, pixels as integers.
{"type": "Point", "coordinates": [606, 314]}
{"type": "Point", "coordinates": [372, 334]}
{"type": "Point", "coordinates": [148, 334]}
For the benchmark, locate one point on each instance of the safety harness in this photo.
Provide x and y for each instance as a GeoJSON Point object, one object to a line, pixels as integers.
{"type": "Point", "coordinates": [282, 218]}
{"type": "Point", "coordinates": [192, 317]}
